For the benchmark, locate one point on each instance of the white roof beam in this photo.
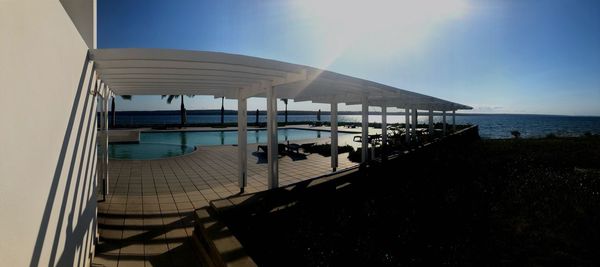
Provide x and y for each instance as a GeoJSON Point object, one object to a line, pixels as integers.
{"type": "Point", "coordinates": [167, 71]}
{"type": "Point", "coordinates": [254, 89]}
{"type": "Point", "coordinates": [182, 78]}
{"type": "Point", "coordinates": [183, 83]}
{"type": "Point", "coordinates": [153, 54]}
{"type": "Point", "coordinates": [291, 78]}
{"type": "Point", "coordinates": [162, 71]}
{"type": "Point", "coordinates": [101, 65]}
{"type": "Point", "coordinates": [229, 93]}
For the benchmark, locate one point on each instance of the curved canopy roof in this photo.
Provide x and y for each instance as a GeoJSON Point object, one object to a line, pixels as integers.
{"type": "Point", "coordinates": [135, 71]}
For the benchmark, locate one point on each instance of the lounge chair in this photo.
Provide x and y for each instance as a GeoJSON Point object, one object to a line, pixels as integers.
{"type": "Point", "coordinates": [280, 147]}
{"type": "Point", "coordinates": [292, 147]}
{"type": "Point", "coordinates": [295, 148]}
{"type": "Point", "coordinates": [307, 146]}
{"type": "Point", "coordinates": [373, 139]}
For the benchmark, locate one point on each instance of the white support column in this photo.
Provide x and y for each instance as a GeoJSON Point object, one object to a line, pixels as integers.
{"type": "Point", "coordinates": [105, 141]}
{"type": "Point", "coordinates": [365, 129]}
{"type": "Point", "coordinates": [414, 122]}
{"type": "Point", "coordinates": [242, 142]}
{"type": "Point", "coordinates": [431, 122]}
{"type": "Point", "coordinates": [407, 124]}
{"type": "Point", "coordinates": [334, 136]}
{"type": "Point", "coordinates": [272, 143]}
{"type": "Point", "coordinates": [101, 172]}
{"type": "Point", "coordinates": [454, 120]}
{"type": "Point", "coordinates": [384, 124]}
{"type": "Point", "coordinates": [444, 121]}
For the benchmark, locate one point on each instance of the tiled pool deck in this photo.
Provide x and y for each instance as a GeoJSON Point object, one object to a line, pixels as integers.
{"type": "Point", "coordinates": [146, 219]}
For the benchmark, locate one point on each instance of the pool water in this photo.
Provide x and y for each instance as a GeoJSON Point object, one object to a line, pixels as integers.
{"type": "Point", "coordinates": [155, 145]}
{"type": "Point", "coordinates": [147, 151]}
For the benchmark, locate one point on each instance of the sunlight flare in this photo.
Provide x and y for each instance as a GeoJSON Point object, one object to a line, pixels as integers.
{"type": "Point", "coordinates": [357, 28]}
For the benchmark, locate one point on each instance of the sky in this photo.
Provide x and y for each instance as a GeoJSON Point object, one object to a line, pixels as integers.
{"type": "Point", "coordinates": [498, 56]}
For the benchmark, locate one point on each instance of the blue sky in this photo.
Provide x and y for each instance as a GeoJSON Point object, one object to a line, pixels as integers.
{"type": "Point", "coordinates": [525, 56]}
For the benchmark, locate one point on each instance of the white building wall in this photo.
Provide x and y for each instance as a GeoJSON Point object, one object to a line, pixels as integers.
{"type": "Point", "coordinates": [47, 136]}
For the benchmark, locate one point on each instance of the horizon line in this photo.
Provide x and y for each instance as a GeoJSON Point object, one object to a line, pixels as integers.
{"type": "Point", "coordinates": [370, 112]}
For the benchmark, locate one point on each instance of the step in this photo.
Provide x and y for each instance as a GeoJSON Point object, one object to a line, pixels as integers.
{"type": "Point", "coordinates": [216, 244]}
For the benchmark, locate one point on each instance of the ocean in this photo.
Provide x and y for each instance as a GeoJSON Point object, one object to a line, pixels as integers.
{"type": "Point", "coordinates": [490, 126]}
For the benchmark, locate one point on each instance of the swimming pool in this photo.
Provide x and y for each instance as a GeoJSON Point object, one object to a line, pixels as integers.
{"type": "Point", "coordinates": [155, 145]}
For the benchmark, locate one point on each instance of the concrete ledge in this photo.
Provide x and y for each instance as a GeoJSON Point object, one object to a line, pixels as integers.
{"type": "Point", "coordinates": [124, 136]}
{"type": "Point", "coordinates": [216, 244]}
{"type": "Point", "coordinates": [219, 247]}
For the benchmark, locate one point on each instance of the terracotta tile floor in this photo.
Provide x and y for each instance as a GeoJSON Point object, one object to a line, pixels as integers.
{"type": "Point", "coordinates": [147, 218]}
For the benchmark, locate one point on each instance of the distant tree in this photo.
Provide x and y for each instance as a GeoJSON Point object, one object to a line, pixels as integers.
{"type": "Point", "coordinates": [222, 110]}
{"type": "Point", "coordinates": [257, 117]}
{"type": "Point", "coordinates": [113, 113]}
{"type": "Point", "coordinates": [319, 115]}
{"type": "Point", "coordinates": [182, 110]}
{"type": "Point", "coordinates": [285, 101]}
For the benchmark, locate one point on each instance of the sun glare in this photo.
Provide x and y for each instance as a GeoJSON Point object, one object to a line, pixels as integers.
{"type": "Point", "coordinates": [358, 28]}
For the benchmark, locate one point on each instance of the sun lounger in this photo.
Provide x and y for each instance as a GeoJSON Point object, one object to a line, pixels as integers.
{"type": "Point", "coordinates": [296, 147]}
{"type": "Point", "coordinates": [293, 148]}
{"type": "Point", "coordinates": [307, 146]}
{"type": "Point", "coordinates": [373, 139]}
{"type": "Point", "coordinates": [280, 147]}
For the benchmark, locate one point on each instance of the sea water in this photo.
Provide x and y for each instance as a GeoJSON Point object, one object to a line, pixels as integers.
{"type": "Point", "coordinates": [490, 126]}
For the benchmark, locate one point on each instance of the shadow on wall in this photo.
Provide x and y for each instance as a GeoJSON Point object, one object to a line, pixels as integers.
{"type": "Point", "coordinates": [75, 212]}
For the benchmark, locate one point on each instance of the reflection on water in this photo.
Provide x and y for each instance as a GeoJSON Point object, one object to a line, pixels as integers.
{"type": "Point", "coordinates": [183, 142]}
{"type": "Point", "coordinates": [193, 138]}
{"type": "Point", "coordinates": [147, 151]}
{"type": "Point", "coordinates": [155, 145]}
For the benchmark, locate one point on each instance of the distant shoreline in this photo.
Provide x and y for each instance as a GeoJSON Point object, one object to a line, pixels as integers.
{"type": "Point", "coordinates": [313, 112]}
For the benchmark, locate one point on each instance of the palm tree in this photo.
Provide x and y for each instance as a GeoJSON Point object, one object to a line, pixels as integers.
{"type": "Point", "coordinates": [181, 107]}
{"type": "Point", "coordinates": [285, 100]}
{"type": "Point", "coordinates": [222, 110]}
{"type": "Point", "coordinates": [113, 113]}
{"type": "Point", "coordinates": [257, 117]}
{"type": "Point", "coordinates": [319, 115]}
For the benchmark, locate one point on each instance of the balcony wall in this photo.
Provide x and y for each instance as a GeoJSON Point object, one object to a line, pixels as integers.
{"type": "Point", "coordinates": [47, 134]}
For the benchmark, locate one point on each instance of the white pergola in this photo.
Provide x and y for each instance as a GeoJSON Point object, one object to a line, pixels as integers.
{"type": "Point", "coordinates": [178, 72]}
